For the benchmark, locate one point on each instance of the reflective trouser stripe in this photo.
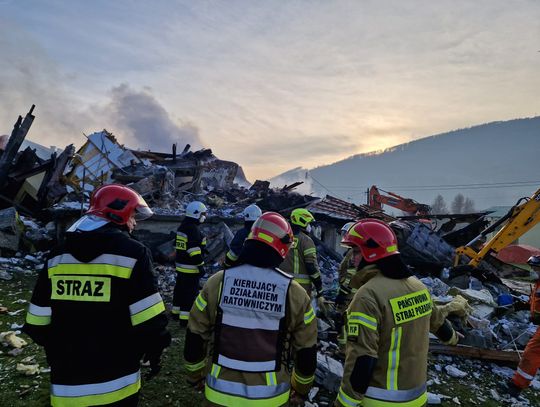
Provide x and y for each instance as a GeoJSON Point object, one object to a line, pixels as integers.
{"type": "Point", "coordinates": [418, 402]}
{"type": "Point", "coordinates": [192, 367]}
{"type": "Point", "coordinates": [303, 380]}
{"type": "Point", "coordinates": [525, 375]}
{"type": "Point", "coordinates": [396, 396]}
{"type": "Point", "coordinates": [37, 315]}
{"type": "Point", "coordinates": [347, 400]}
{"type": "Point", "coordinates": [200, 303]}
{"type": "Point", "coordinates": [145, 309]}
{"type": "Point", "coordinates": [95, 394]}
{"type": "Point", "coordinates": [228, 393]}
{"type": "Point", "coordinates": [175, 310]}
{"type": "Point", "coordinates": [187, 268]}
{"type": "Point", "coordinates": [393, 360]}
{"type": "Point", "coordinates": [184, 315]}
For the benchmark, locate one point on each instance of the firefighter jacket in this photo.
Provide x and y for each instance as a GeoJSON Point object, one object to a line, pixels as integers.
{"type": "Point", "coordinates": [190, 247]}
{"type": "Point", "coordinates": [535, 303]}
{"type": "Point", "coordinates": [348, 282]}
{"type": "Point", "coordinates": [388, 325]}
{"type": "Point", "coordinates": [231, 258]}
{"type": "Point", "coordinates": [96, 310]}
{"type": "Point", "coordinates": [258, 321]}
{"type": "Point", "coordinates": [301, 262]}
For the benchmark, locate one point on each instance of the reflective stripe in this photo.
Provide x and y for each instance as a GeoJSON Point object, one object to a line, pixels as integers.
{"type": "Point", "coordinates": [271, 379]}
{"type": "Point", "coordinates": [421, 401]}
{"type": "Point", "coordinates": [396, 395]}
{"type": "Point", "coordinates": [296, 262]}
{"type": "Point", "coordinates": [194, 251]}
{"type": "Point", "coordinates": [187, 268]}
{"type": "Point", "coordinates": [391, 249]}
{"type": "Point", "coordinates": [259, 366]}
{"type": "Point", "coordinates": [271, 227]}
{"type": "Point", "coordinates": [228, 393]}
{"type": "Point", "coordinates": [315, 276]}
{"type": "Point", "coordinates": [200, 302]}
{"type": "Point", "coordinates": [347, 400]}
{"type": "Point", "coordinates": [40, 311]}
{"type": "Point", "coordinates": [232, 255]}
{"type": "Point", "coordinates": [184, 315]}
{"type": "Point", "coordinates": [96, 393]}
{"type": "Point", "coordinates": [363, 319]}
{"type": "Point", "coordinates": [203, 241]}
{"type": "Point", "coordinates": [145, 309]}
{"type": "Point", "coordinates": [309, 251]}
{"type": "Point", "coordinates": [192, 367]}
{"type": "Point", "coordinates": [37, 320]}
{"type": "Point", "coordinates": [525, 374]}
{"type": "Point", "coordinates": [393, 360]}
{"type": "Point", "coordinates": [106, 264]}
{"type": "Point", "coordinates": [175, 310]}
{"type": "Point", "coordinates": [309, 316]}
{"type": "Point", "coordinates": [303, 380]}
{"type": "Point", "coordinates": [215, 370]}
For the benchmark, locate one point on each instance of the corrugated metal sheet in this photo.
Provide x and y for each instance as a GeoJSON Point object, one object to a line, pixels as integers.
{"type": "Point", "coordinates": [342, 210]}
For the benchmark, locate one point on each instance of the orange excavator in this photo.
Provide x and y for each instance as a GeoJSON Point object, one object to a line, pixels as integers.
{"type": "Point", "coordinates": [409, 206]}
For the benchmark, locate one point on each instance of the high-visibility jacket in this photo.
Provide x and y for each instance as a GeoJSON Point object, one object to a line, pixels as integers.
{"type": "Point", "coordinates": [96, 310]}
{"type": "Point", "coordinates": [231, 258]}
{"type": "Point", "coordinates": [348, 284]}
{"type": "Point", "coordinates": [389, 320]}
{"type": "Point", "coordinates": [190, 246]}
{"type": "Point", "coordinates": [256, 319]}
{"type": "Point", "coordinates": [301, 262]}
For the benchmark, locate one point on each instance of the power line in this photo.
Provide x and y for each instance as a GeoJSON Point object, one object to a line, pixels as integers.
{"type": "Point", "coordinates": [509, 184]}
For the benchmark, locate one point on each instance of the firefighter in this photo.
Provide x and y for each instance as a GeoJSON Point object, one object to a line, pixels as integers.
{"type": "Point", "coordinates": [388, 325]}
{"type": "Point", "coordinates": [249, 323]}
{"type": "Point", "coordinates": [301, 261]}
{"type": "Point", "coordinates": [190, 246]}
{"type": "Point", "coordinates": [251, 213]}
{"type": "Point", "coordinates": [95, 307]}
{"type": "Point", "coordinates": [530, 361]}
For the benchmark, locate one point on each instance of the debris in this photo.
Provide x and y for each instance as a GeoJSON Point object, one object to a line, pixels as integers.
{"type": "Point", "coordinates": [3, 310]}
{"type": "Point", "coordinates": [10, 338]}
{"type": "Point", "coordinates": [512, 357]}
{"type": "Point", "coordinates": [494, 395]}
{"type": "Point", "coordinates": [27, 370]}
{"type": "Point", "coordinates": [329, 372]}
{"type": "Point", "coordinates": [454, 371]}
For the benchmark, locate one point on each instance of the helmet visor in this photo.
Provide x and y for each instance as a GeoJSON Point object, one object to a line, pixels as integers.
{"type": "Point", "coordinates": [143, 213]}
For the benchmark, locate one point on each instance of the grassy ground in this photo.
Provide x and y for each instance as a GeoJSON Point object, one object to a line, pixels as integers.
{"type": "Point", "coordinates": [166, 389]}
{"type": "Point", "coordinates": [169, 387]}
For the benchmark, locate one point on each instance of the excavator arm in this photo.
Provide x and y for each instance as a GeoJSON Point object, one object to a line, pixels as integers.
{"type": "Point", "coordinates": [376, 200]}
{"type": "Point", "coordinates": [520, 218]}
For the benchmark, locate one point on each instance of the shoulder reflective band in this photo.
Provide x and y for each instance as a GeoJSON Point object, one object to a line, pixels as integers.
{"type": "Point", "coordinates": [81, 288]}
{"type": "Point", "coordinates": [105, 265]}
{"type": "Point", "coordinates": [187, 268]}
{"type": "Point", "coordinates": [411, 306]}
{"type": "Point", "coordinates": [95, 394]}
{"type": "Point", "coordinates": [229, 393]}
{"type": "Point", "coordinates": [362, 319]}
{"type": "Point", "coordinates": [393, 359]}
{"type": "Point", "coordinates": [194, 251]}
{"type": "Point", "coordinates": [193, 367]}
{"type": "Point", "coordinates": [347, 400]}
{"type": "Point", "coordinates": [145, 309]}
{"type": "Point", "coordinates": [377, 397]}
{"type": "Point", "coordinates": [38, 315]}
{"type": "Point", "coordinates": [310, 251]}
{"type": "Point", "coordinates": [309, 316]}
{"type": "Point", "coordinates": [200, 303]}
{"type": "Point", "coordinates": [181, 241]}
{"type": "Point", "coordinates": [303, 380]}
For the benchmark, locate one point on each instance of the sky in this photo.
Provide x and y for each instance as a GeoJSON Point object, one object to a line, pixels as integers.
{"type": "Point", "coordinates": [270, 84]}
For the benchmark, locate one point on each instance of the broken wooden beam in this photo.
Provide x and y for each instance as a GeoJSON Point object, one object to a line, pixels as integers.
{"type": "Point", "coordinates": [510, 357]}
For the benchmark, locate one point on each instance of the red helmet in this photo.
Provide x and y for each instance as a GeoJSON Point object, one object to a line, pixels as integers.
{"type": "Point", "coordinates": [117, 203]}
{"type": "Point", "coordinates": [373, 237]}
{"type": "Point", "coordinates": [272, 228]}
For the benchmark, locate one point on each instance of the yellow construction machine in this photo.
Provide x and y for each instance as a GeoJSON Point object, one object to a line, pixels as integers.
{"type": "Point", "coordinates": [520, 218]}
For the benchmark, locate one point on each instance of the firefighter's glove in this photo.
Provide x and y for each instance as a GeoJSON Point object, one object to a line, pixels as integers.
{"type": "Point", "coordinates": [323, 307]}
{"type": "Point", "coordinates": [154, 351]}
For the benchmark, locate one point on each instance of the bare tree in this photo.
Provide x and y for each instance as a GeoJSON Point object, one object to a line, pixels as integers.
{"type": "Point", "coordinates": [458, 203]}
{"type": "Point", "coordinates": [468, 206]}
{"type": "Point", "coordinates": [439, 206]}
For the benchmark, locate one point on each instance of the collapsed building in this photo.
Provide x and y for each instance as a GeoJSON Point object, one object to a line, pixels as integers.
{"type": "Point", "coordinates": [41, 198]}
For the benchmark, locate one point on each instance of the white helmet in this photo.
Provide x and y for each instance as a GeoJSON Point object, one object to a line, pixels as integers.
{"type": "Point", "coordinates": [346, 227]}
{"type": "Point", "coordinates": [251, 213]}
{"type": "Point", "coordinates": [195, 209]}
